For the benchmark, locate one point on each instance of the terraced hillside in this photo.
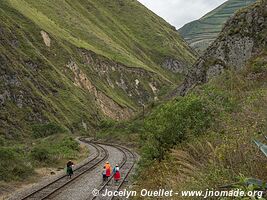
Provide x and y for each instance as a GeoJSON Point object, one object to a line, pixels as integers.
{"type": "Point", "coordinates": [201, 33]}
{"type": "Point", "coordinates": [73, 63]}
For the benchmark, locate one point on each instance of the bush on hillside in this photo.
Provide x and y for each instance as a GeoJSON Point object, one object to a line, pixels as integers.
{"type": "Point", "coordinates": [54, 149]}
{"type": "Point", "coordinates": [13, 165]}
{"type": "Point", "coordinates": [259, 66]}
{"type": "Point", "coordinates": [67, 147]}
{"type": "Point", "coordinates": [44, 130]}
{"type": "Point", "coordinates": [41, 154]}
{"type": "Point", "coordinates": [2, 141]}
{"type": "Point", "coordinates": [107, 123]}
{"type": "Point", "coordinates": [174, 122]}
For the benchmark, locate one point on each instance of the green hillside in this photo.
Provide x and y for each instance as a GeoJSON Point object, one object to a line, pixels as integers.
{"type": "Point", "coordinates": [204, 140]}
{"type": "Point", "coordinates": [74, 63]}
{"type": "Point", "coordinates": [69, 66]}
{"type": "Point", "coordinates": [201, 33]}
{"type": "Point", "coordinates": [123, 31]}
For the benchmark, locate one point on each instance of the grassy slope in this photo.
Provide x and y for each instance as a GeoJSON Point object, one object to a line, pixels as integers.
{"type": "Point", "coordinates": [49, 92]}
{"type": "Point", "coordinates": [225, 152]}
{"type": "Point", "coordinates": [205, 139]}
{"type": "Point", "coordinates": [123, 31]}
{"type": "Point", "coordinates": [200, 33]}
{"type": "Point", "coordinates": [209, 132]}
{"type": "Point", "coordinates": [107, 28]}
{"type": "Point", "coordinates": [36, 87]}
{"type": "Point", "coordinates": [46, 95]}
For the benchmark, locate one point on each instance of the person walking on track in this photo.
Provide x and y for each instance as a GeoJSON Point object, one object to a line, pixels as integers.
{"type": "Point", "coordinates": [69, 168]}
{"type": "Point", "coordinates": [104, 172]}
{"type": "Point", "coordinates": [117, 175]}
{"type": "Point", "coordinates": [108, 169]}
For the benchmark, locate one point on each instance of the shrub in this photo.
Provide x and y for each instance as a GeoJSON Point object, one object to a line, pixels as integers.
{"type": "Point", "coordinates": [174, 122]}
{"type": "Point", "coordinates": [65, 148]}
{"type": "Point", "coordinates": [44, 130]}
{"type": "Point", "coordinates": [70, 143]}
{"type": "Point", "coordinates": [54, 149]}
{"type": "Point", "coordinates": [259, 67]}
{"type": "Point", "coordinates": [107, 123]}
{"type": "Point", "coordinates": [13, 165]}
{"type": "Point", "coordinates": [134, 126]}
{"type": "Point", "coordinates": [41, 154]}
{"type": "Point", "coordinates": [2, 141]}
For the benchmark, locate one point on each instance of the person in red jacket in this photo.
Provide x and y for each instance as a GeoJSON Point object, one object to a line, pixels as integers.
{"type": "Point", "coordinates": [117, 174]}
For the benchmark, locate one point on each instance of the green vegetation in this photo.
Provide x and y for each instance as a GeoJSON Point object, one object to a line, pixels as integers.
{"type": "Point", "coordinates": [14, 165]}
{"type": "Point", "coordinates": [123, 31]}
{"type": "Point", "coordinates": [121, 132]}
{"type": "Point", "coordinates": [18, 161]}
{"type": "Point", "coordinates": [62, 61]}
{"type": "Point", "coordinates": [211, 145]}
{"type": "Point", "coordinates": [53, 150]}
{"type": "Point", "coordinates": [113, 43]}
{"type": "Point", "coordinates": [173, 123]}
{"type": "Point", "coordinates": [201, 33]}
{"type": "Point", "coordinates": [44, 130]}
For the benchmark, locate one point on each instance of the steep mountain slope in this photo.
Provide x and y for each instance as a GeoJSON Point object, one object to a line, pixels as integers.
{"type": "Point", "coordinates": [74, 62]}
{"type": "Point", "coordinates": [206, 137]}
{"type": "Point", "coordinates": [242, 38]}
{"type": "Point", "coordinates": [201, 33]}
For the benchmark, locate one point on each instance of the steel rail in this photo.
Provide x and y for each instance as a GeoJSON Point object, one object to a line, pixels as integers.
{"type": "Point", "coordinates": [49, 189]}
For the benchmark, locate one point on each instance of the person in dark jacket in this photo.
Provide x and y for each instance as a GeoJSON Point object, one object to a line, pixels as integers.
{"type": "Point", "coordinates": [104, 173]}
{"type": "Point", "coordinates": [69, 168]}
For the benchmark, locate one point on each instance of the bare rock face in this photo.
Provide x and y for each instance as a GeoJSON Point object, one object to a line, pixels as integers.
{"type": "Point", "coordinates": [46, 38]}
{"type": "Point", "coordinates": [107, 105]}
{"type": "Point", "coordinates": [4, 96]}
{"type": "Point", "coordinates": [137, 85]}
{"type": "Point", "coordinates": [234, 52]}
{"type": "Point", "coordinates": [134, 82]}
{"type": "Point", "coordinates": [175, 66]}
{"type": "Point", "coordinates": [243, 36]}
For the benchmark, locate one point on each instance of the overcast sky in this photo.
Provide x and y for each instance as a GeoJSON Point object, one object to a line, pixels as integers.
{"type": "Point", "coordinates": [180, 12]}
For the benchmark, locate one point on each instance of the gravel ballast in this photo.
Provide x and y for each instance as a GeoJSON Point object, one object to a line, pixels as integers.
{"type": "Point", "coordinates": [83, 187]}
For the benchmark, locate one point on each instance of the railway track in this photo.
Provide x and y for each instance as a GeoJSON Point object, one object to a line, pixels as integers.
{"type": "Point", "coordinates": [126, 166]}
{"type": "Point", "coordinates": [49, 190]}
{"type": "Point", "coordinates": [58, 184]}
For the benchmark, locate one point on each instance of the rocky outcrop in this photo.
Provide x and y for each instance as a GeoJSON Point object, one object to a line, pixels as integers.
{"type": "Point", "coordinates": [107, 105]}
{"type": "Point", "coordinates": [4, 96]}
{"type": "Point", "coordinates": [176, 66]}
{"type": "Point", "coordinates": [200, 33]}
{"type": "Point", "coordinates": [46, 38]}
{"type": "Point", "coordinates": [243, 36]}
{"type": "Point", "coordinates": [135, 83]}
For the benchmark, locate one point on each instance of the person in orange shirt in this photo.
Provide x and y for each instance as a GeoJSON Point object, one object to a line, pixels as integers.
{"type": "Point", "coordinates": [108, 169]}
